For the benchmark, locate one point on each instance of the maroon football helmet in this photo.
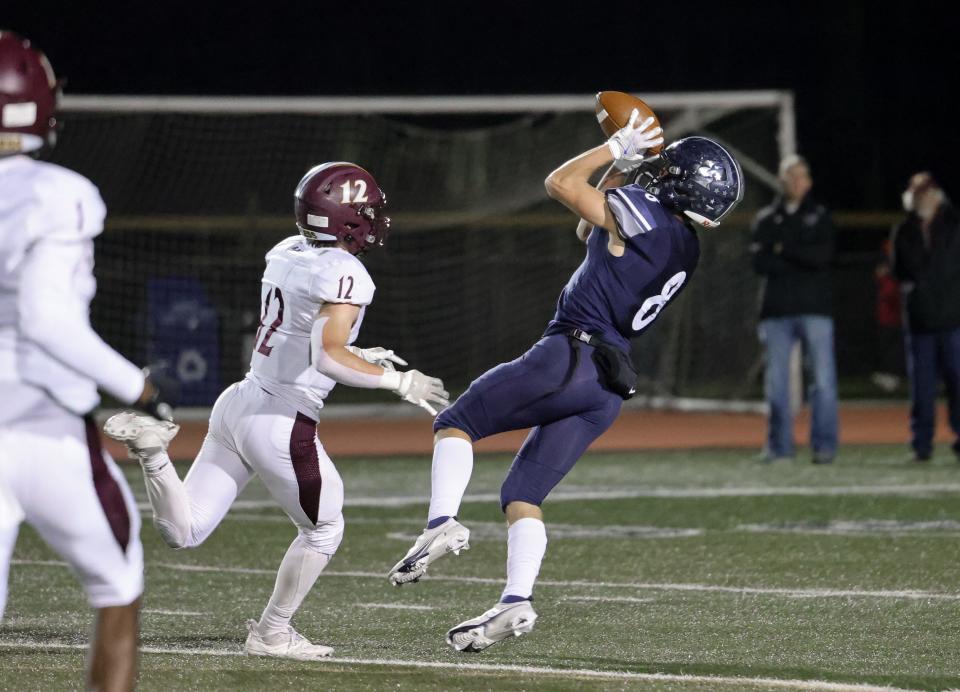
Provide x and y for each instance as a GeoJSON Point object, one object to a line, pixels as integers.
{"type": "Point", "coordinates": [340, 201]}
{"type": "Point", "coordinates": [28, 96]}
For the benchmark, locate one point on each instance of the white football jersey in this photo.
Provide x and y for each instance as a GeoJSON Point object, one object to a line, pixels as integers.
{"type": "Point", "coordinates": [298, 281]}
{"type": "Point", "coordinates": [48, 218]}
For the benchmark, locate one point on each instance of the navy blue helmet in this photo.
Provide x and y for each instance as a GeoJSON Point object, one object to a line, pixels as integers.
{"type": "Point", "coordinates": [695, 177]}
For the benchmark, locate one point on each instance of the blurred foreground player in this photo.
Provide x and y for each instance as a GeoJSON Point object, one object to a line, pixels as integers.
{"type": "Point", "coordinates": [642, 249]}
{"type": "Point", "coordinates": [314, 294]}
{"type": "Point", "coordinates": [54, 472]}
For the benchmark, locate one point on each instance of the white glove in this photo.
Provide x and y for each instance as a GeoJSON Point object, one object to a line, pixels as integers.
{"type": "Point", "coordinates": [384, 357]}
{"type": "Point", "coordinates": [417, 388]}
{"type": "Point", "coordinates": [630, 143]}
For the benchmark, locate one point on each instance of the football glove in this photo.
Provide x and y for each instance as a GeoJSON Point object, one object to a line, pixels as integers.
{"type": "Point", "coordinates": [422, 390]}
{"type": "Point", "coordinates": [629, 144]}
{"type": "Point", "coordinates": [160, 395]}
{"type": "Point", "coordinates": [384, 357]}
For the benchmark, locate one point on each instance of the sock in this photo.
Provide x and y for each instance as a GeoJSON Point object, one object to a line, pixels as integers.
{"type": "Point", "coordinates": [298, 571]}
{"type": "Point", "coordinates": [452, 466]}
{"type": "Point", "coordinates": [171, 505]}
{"type": "Point", "coordinates": [526, 544]}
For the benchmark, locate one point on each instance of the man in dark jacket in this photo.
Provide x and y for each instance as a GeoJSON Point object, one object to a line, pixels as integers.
{"type": "Point", "coordinates": [792, 246]}
{"type": "Point", "coordinates": [926, 259]}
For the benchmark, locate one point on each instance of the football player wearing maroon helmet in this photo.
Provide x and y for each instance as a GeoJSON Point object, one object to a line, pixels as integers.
{"type": "Point", "coordinates": [314, 295]}
{"type": "Point", "coordinates": [52, 363]}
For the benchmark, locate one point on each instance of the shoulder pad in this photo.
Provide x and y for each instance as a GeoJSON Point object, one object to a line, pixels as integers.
{"type": "Point", "coordinates": [69, 205]}
{"type": "Point", "coordinates": [636, 211]}
{"type": "Point", "coordinates": [339, 277]}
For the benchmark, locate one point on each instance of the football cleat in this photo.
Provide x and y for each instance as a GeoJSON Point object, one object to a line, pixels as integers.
{"type": "Point", "coordinates": [502, 621]}
{"type": "Point", "coordinates": [450, 537]}
{"type": "Point", "coordinates": [143, 435]}
{"type": "Point", "coordinates": [291, 644]}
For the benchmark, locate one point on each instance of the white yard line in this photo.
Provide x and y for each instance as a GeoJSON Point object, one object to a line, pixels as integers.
{"type": "Point", "coordinates": [735, 681]}
{"type": "Point", "coordinates": [907, 594]}
{"type": "Point", "coordinates": [619, 494]}
{"type": "Point", "coordinates": [184, 613]}
{"type": "Point", "coordinates": [653, 586]}
{"type": "Point", "coordinates": [393, 606]}
{"type": "Point", "coordinates": [606, 599]}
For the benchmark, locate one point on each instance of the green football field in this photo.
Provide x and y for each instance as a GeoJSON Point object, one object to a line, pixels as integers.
{"type": "Point", "coordinates": [665, 571]}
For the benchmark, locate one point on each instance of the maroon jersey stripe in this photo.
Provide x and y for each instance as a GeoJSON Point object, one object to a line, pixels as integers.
{"type": "Point", "coordinates": [108, 490]}
{"type": "Point", "coordinates": [306, 464]}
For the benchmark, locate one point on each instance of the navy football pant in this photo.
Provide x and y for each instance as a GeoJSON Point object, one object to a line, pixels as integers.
{"type": "Point", "coordinates": [566, 409]}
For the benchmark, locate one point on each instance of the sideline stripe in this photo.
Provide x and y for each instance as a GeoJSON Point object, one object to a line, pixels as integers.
{"type": "Point", "coordinates": [908, 594]}
{"type": "Point", "coordinates": [617, 494]}
{"type": "Point", "coordinates": [505, 668]}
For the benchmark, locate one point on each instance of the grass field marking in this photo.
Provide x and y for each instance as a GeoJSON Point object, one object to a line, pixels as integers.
{"type": "Point", "coordinates": [640, 586]}
{"type": "Point", "coordinates": [393, 606]}
{"type": "Point", "coordinates": [497, 531]}
{"type": "Point", "coordinates": [908, 594]}
{"type": "Point", "coordinates": [395, 501]}
{"type": "Point", "coordinates": [585, 673]}
{"type": "Point", "coordinates": [183, 613]}
{"type": "Point", "coordinates": [607, 599]}
{"type": "Point", "coordinates": [680, 493]}
{"type": "Point", "coordinates": [869, 527]}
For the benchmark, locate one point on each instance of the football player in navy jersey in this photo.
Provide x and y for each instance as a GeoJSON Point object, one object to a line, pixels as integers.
{"type": "Point", "coordinates": [639, 227]}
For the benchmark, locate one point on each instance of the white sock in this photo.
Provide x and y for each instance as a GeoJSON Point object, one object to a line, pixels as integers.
{"type": "Point", "coordinates": [452, 466]}
{"type": "Point", "coordinates": [526, 544]}
{"type": "Point", "coordinates": [298, 571]}
{"type": "Point", "coordinates": [168, 498]}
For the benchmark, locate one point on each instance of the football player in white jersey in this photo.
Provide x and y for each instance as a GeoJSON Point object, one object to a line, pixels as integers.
{"type": "Point", "coordinates": [314, 294]}
{"type": "Point", "coordinates": [54, 472]}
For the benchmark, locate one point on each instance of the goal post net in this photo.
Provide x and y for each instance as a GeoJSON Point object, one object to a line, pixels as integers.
{"type": "Point", "coordinates": [198, 189]}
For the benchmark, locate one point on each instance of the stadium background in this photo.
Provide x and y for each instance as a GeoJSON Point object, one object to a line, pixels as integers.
{"type": "Point", "coordinates": [478, 255]}
{"type": "Point", "coordinates": [837, 575]}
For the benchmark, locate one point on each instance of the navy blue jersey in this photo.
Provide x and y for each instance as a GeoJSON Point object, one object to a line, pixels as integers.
{"type": "Point", "coordinates": [617, 298]}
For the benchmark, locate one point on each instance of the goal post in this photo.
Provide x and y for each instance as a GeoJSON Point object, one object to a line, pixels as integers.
{"type": "Point", "coordinates": [198, 188]}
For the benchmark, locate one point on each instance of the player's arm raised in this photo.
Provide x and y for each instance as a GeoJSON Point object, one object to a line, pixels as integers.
{"type": "Point", "coordinates": [570, 183]}
{"type": "Point", "coordinates": [332, 357]}
{"type": "Point", "coordinates": [613, 177]}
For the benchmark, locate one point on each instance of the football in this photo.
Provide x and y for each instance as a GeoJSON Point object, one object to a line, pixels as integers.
{"type": "Point", "coordinates": [613, 110]}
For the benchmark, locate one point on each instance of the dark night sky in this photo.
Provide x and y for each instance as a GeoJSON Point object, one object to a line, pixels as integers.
{"type": "Point", "coordinates": [874, 86]}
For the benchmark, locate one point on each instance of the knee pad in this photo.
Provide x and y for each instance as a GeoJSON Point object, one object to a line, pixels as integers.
{"type": "Point", "coordinates": [326, 537]}
{"type": "Point", "coordinates": [528, 481]}
{"type": "Point", "coordinates": [173, 536]}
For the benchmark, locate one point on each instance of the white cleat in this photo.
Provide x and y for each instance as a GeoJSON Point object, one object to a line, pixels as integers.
{"type": "Point", "coordinates": [450, 537]}
{"type": "Point", "coordinates": [143, 435]}
{"type": "Point", "coordinates": [501, 622]}
{"type": "Point", "coordinates": [291, 644]}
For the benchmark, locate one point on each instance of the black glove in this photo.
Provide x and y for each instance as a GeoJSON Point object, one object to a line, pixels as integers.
{"type": "Point", "coordinates": [166, 393]}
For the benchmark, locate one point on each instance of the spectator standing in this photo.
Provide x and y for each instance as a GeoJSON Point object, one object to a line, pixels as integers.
{"type": "Point", "coordinates": [792, 246]}
{"type": "Point", "coordinates": [926, 252]}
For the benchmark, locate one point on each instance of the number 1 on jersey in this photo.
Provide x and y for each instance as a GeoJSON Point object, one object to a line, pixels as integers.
{"type": "Point", "coordinates": [264, 346]}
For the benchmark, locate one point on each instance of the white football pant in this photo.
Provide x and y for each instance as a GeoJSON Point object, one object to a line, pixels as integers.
{"type": "Point", "coordinates": [60, 480]}
{"type": "Point", "coordinates": [253, 432]}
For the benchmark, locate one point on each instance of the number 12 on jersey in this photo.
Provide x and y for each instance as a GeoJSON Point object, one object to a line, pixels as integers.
{"type": "Point", "coordinates": [269, 298]}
